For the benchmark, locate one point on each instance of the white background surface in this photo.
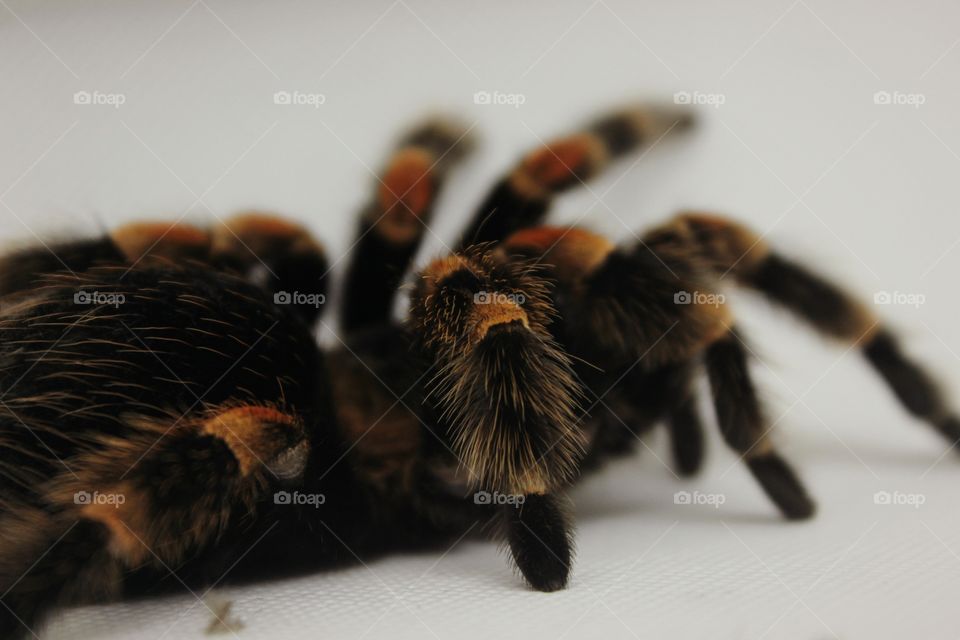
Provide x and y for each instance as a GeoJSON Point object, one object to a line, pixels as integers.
{"type": "Point", "coordinates": [865, 192]}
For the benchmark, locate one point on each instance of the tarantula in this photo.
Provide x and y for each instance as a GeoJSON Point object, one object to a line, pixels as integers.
{"type": "Point", "coordinates": [167, 416]}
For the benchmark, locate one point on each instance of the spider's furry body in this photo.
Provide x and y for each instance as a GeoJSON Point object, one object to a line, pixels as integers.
{"type": "Point", "coordinates": [166, 414]}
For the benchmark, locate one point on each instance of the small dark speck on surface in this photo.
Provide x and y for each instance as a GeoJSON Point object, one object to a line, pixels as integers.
{"type": "Point", "coordinates": [222, 622]}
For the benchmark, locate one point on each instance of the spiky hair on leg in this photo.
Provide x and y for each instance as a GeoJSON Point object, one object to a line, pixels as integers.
{"type": "Point", "coordinates": [624, 303]}
{"type": "Point", "coordinates": [502, 387]}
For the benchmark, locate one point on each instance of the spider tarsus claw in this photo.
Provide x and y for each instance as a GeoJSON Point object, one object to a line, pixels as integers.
{"type": "Point", "coordinates": [545, 571]}
{"type": "Point", "coordinates": [556, 581]}
{"type": "Point", "coordinates": [688, 467]}
{"type": "Point", "coordinates": [539, 539]}
{"type": "Point", "coordinates": [688, 448]}
{"type": "Point", "coordinates": [687, 457]}
{"type": "Point", "coordinates": [782, 486]}
{"type": "Point", "coordinates": [950, 428]}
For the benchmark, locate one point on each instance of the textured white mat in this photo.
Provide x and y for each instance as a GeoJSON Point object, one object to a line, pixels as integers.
{"type": "Point", "coordinates": [793, 141]}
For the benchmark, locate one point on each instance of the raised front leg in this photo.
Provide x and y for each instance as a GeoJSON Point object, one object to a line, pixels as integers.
{"type": "Point", "coordinates": [505, 396]}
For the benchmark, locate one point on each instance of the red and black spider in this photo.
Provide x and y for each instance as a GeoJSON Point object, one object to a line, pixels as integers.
{"type": "Point", "coordinates": [167, 417]}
